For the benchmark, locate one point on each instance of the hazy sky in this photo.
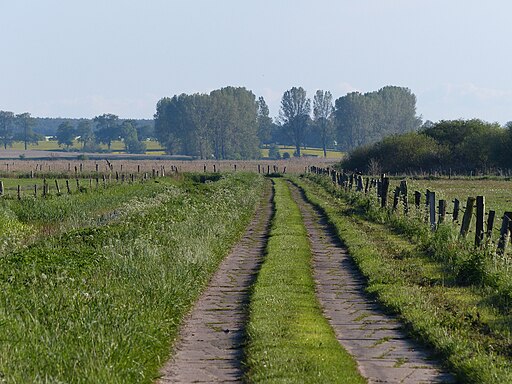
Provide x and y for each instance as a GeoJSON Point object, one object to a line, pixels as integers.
{"type": "Point", "coordinates": [81, 58]}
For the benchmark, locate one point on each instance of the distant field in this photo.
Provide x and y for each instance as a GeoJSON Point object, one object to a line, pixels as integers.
{"type": "Point", "coordinates": [498, 193]}
{"type": "Point", "coordinates": [154, 148]}
{"type": "Point", "coordinates": [54, 146]}
{"type": "Point", "coordinates": [308, 151]}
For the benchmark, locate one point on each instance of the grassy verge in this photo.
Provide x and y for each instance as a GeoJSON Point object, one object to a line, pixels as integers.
{"type": "Point", "coordinates": [26, 220]}
{"type": "Point", "coordinates": [102, 304]}
{"type": "Point", "coordinates": [289, 339]}
{"type": "Point", "coordinates": [461, 322]}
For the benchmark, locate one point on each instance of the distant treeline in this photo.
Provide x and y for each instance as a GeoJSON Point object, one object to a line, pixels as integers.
{"type": "Point", "coordinates": [448, 145]}
{"type": "Point", "coordinates": [231, 123]}
{"type": "Point", "coordinates": [47, 126]}
{"type": "Point", "coordinates": [90, 133]}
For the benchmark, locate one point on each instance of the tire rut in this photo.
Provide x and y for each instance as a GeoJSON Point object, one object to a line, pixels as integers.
{"type": "Point", "coordinates": [383, 351]}
{"type": "Point", "coordinates": [210, 345]}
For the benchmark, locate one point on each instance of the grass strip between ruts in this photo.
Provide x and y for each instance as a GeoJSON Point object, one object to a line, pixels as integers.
{"type": "Point", "coordinates": [289, 339]}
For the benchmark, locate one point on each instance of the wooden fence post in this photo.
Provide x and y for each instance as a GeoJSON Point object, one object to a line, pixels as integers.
{"type": "Point", "coordinates": [456, 207]}
{"type": "Point", "coordinates": [405, 197]}
{"type": "Point", "coordinates": [360, 186]}
{"type": "Point", "coordinates": [19, 192]}
{"type": "Point", "coordinates": [384, 192]}
{"type": "Point", "coordinates": [35, 190]}
{"type": "Point", "coordinates": [480, 214]}
{"type": "Point", "coordinates": [396, 198]}
{"type": "Point", "coordinates": [466, 219]}
{"type": "Point", "coordinates": [432, 206]}
{"type": "Point", "coordinates": [490, 224]}
{"type": "Point", "coordinates": [417, 198]}
{"type": "Point", "coordinates": [57, 186]}
{"type": "Point", "coordinates": [442, 211]}
{"type": "Point", "coordinates": [1, 188]}
{"type": "Point", "coordinates": [504, 233]}
{"type": "Point", "coordinates": [67, 186]}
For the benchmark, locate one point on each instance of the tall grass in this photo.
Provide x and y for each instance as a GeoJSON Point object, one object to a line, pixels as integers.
{"type": "Point", "coordinates": [102, 304]}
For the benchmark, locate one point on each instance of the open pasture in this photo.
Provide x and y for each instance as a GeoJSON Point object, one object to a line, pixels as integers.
{"type": "Point", "coordinates": [497, 191]}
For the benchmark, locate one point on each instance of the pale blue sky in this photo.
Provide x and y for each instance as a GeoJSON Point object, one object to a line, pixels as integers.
{"type": "Point", "coordinates": [81, 58]}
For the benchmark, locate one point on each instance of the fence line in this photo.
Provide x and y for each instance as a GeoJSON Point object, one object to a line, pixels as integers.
{"type": "Point", "coordinates": [475, 206]}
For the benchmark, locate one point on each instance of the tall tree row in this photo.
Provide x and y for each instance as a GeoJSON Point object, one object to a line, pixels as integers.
{"type": "Point", "coordinates": [220, 125]}
{"type": "Point", "coordinates": [365, 118]}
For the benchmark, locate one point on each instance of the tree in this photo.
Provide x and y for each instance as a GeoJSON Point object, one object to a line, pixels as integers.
{"type": "Point", "coordinates": [171, 122]}
{"type": "Point", "coordinates": [264, 122]}
{"type": "Point", "coordinates": [294, 115]}
{"type": "Point", "coordinates": [24, 124]}
{"type": "Point", "coordinates": [233, 123]}
{"type": "Point", "coordinates": [322, 112]}
{"type": "Point", "coordinates": [130, 138]}
{"type": "Point", "coordinates": [223, 124]}
{"type": "Point", "coordinates": [84, 133]}
{"type": "Point", "coordinates": [6, 128]}
{"type": "Point", "coordinates": [66, 134]}
{"type": "Point", "coordinates": [145, 131]}
{"type": "Point", "coordinates": [107, 129]}
{"type": "Point", "coordinates": [362, 119]}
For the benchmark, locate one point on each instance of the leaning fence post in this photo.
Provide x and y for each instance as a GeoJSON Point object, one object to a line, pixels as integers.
{"type": "Point", "coordinates": [67, 186]}
{"type": "Point", "coordinates": [504, 233]}
{"type": "Point", "coordinates": [466, 219]}
{"type": "Point", "coordinates": [57, 186]}
{"type": "Point", "coordinates": [480, 213]}
{"type": "Point", "coordinates": [1, 188]}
